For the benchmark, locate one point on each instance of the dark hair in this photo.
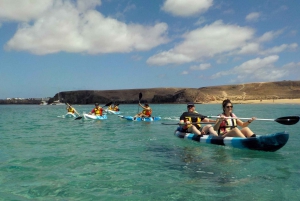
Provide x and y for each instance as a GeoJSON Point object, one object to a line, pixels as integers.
{"type": "Point", "coordinates": [225, 102]}
{"type": "Point", "coordinates": [146, 104]}
{"type": "Point", "coordinates": [96, 104]}
{"type": "Point", "coordinates": [190, 105]}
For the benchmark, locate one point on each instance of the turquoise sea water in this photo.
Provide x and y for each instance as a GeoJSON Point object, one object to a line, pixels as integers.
{"type": "Point", "coordinates": [46, 157]}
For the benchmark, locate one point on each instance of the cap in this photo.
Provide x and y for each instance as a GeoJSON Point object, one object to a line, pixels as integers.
{"type": "Point", "coordinates": [190, 105]}
{"type": "Point", "coordinates": [96, 104]}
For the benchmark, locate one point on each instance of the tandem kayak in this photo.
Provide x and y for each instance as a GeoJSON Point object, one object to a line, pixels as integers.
{"type": "Point", "coordinates": [94, 117]}
{"type": "Point", "coordinates": [112, 112]}
{"type": "Point", "coordinates": [131, 118]}
{"type": "Point", "coordinates": [269, 142]}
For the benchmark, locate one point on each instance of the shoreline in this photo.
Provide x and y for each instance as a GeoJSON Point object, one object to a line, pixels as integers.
{"type": "Point", "coordinates": [263, 101]}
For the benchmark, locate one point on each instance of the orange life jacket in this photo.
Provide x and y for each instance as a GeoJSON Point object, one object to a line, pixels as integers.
{"type": "Point", "coordinates": [98, 111]}
{"type": "Point", "coordinates": [147, 112]}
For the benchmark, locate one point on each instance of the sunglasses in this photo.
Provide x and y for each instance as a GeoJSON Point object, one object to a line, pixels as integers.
{"type": "Point", "coordinates": [229, 106]}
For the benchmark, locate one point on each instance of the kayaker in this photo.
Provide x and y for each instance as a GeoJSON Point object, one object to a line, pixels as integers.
{"type": "Point", "coordinates": [189, 118]}
{"type": "Point", "coordinates": [115, 107]}
{"type": "Point", "coordinates": [70, 109]}
{"type": "Point", "coordinates": [147, 111]}
{"type": "Point", "coordinates": [98, 111]}
{"type": "Point", "coordinates": [228, 127]}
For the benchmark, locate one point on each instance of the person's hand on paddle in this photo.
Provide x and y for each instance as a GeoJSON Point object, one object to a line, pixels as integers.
{"type": "Point", "coordinates": [252, 119]}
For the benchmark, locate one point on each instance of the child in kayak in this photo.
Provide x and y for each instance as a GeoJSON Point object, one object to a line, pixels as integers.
{"type": "Point", "coordinates": [147, 111]}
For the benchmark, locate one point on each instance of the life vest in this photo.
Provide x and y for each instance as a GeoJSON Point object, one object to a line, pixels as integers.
{"type": "Point", "coordinates": [116, 108]}
{"type": "Point", "coordinates": [227, 124]}
{"type": "Point", "coordinates": [110, 108]}
{"type": "Point", "coordinates": [71, 110]}
{"type": "Point", "coordinates": [147, 112]}
{"type": "Point", "coordinates": [193, 120]}
{"type": "Point", "coordinates": [98, 111]}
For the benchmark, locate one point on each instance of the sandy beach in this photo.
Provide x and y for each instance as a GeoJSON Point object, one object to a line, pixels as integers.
{"type": "Point", "coordinates": [267, 101]}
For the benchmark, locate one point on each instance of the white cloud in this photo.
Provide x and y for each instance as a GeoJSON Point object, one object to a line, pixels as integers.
{"type": "Point", "coordinates": [67, 28]}
{"type": "Point", "coordinates": [291, 65]}
{"type": "Point", "coordinates": [268, 36]}
{"type": "Point", "coordinates": [185, 8]}
{"type": "Point", "coordinates": [23, 10]}
{"type": "Point", "coordinates": [253, 16]}
{"type": "Point", "coordinates": [255, 70]}
{"type": "Point", "coordinates": [249, 48]}
{"type": "Point", "coordinates": [201, 67]}
{"type": "Point", "coordinates": [184, 73]}
{"type": "Point", "coordinates": [278, 49]}
{"type": "Point", "coordinates": [204, 42]}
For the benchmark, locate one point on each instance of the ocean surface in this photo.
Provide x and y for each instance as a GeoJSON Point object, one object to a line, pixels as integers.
{"type": "Point", "coordinates": [44, 156]}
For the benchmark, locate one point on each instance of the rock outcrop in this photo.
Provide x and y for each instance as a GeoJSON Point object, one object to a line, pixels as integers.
{"type": "Point", "coordinates": [251, 91]}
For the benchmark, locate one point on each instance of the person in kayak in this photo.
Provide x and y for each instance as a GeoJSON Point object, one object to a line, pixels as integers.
{"type": "Point", "coordinates": [227, 124]}
{"type": "Point", "coordinates": [116, 107]}
{"type": "Point", "coordinates": [190, 122]}
{"type": "Point", "coordinates": [70, 109]}
{"type": "Point", "coordinates": [98, 111]}
{"type": "Point", "coordinates": [147, 111]}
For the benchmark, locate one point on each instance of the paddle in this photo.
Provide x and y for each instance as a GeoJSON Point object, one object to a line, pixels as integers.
{"type": "Point", "coordinates": [140, 97]}
{"type": "Point", "coordinates": [107, 104]}
{"type": "Point", "coordinates": [184, 124]}
{"type": "Point", "coordinates": [74, 109]}
{"type": "Point", "coordinates": [288, 120]}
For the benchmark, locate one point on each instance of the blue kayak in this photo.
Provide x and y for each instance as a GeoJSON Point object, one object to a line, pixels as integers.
{"type": "Point", "coordinates": [94, 117]}
{"type": "Point", "coordinates": [269, 142]}
{"type": "Point", "coordinates": [131, 118]}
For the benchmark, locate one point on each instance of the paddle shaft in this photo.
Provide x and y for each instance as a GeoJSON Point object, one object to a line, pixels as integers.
{"type": "Point", "coordinates": [240, 118]}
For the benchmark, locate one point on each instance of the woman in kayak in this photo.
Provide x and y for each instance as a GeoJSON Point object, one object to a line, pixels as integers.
{"type": "Point", "coordinates": [227, 124]}
{"type": "Point", "coordinates": [147, 111]}
{"type": "Point", "coordinates": [190, 122]}
{"type": "Point", "coordinates": [98, 111]}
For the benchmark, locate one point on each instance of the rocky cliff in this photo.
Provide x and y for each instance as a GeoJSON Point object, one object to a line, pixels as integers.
{"type": "Point", "coordinates": [251, 91]}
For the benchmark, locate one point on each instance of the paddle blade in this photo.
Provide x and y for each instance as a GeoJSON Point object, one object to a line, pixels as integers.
{"type": "Point", "coordinates": [77, 118]}
{"type": "Point", "coordinates": [289, 120]}
{"type": "Point", "coordinates": [140, 96]}
{"type": "Point", "coordinates": [108, 104]}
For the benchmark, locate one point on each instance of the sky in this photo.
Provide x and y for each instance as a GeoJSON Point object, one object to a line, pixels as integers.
{"type": "Point", "coordinates": [48, 46]}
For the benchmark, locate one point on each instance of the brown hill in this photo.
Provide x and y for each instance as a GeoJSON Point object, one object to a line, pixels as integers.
{"type": "Point", "coordinates": [250, 91]}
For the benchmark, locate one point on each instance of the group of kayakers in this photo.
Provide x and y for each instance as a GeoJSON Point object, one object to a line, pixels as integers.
{"type": "Point", "coordinates": [225, 125]}
{"type": "Point", "coordinates": [190, 121]}
{"type": "Point", "coordinates": [98, 111]}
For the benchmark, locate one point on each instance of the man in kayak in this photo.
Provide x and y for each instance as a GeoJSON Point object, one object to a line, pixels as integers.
{"type": "Point", "coordinates": [190, 122]}
{"type": "Point", "coordinates": [70, 109]}
{"type": "Point", "coordinates": [98, 111]}
{"type": "Point", "coordinates": [227, 124]}
{"type": "Point", "coordinates": [147, 111]}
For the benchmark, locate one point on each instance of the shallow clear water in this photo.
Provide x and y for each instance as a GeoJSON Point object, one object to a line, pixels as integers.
{"type": "Point", "coordinates": [46, 157]}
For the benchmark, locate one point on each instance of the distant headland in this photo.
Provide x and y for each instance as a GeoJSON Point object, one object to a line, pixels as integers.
{"type": "Point", "coordinates": [261, 92]}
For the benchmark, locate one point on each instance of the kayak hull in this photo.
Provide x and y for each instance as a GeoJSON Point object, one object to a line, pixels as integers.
{"type": "Point", "coordinates": [112, 112]}
{"type": "Point", "coordinates": [269, 142]}
{"type": "Point", "coordinates": [94, 117]}
{"type": "Point", "coordinates": [70, 115]}
{"type": "Point", "coordinates": [147, 119]}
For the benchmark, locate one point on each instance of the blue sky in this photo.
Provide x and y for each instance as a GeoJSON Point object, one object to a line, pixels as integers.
{"type": "Point", "coordinates": [64, 45]}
